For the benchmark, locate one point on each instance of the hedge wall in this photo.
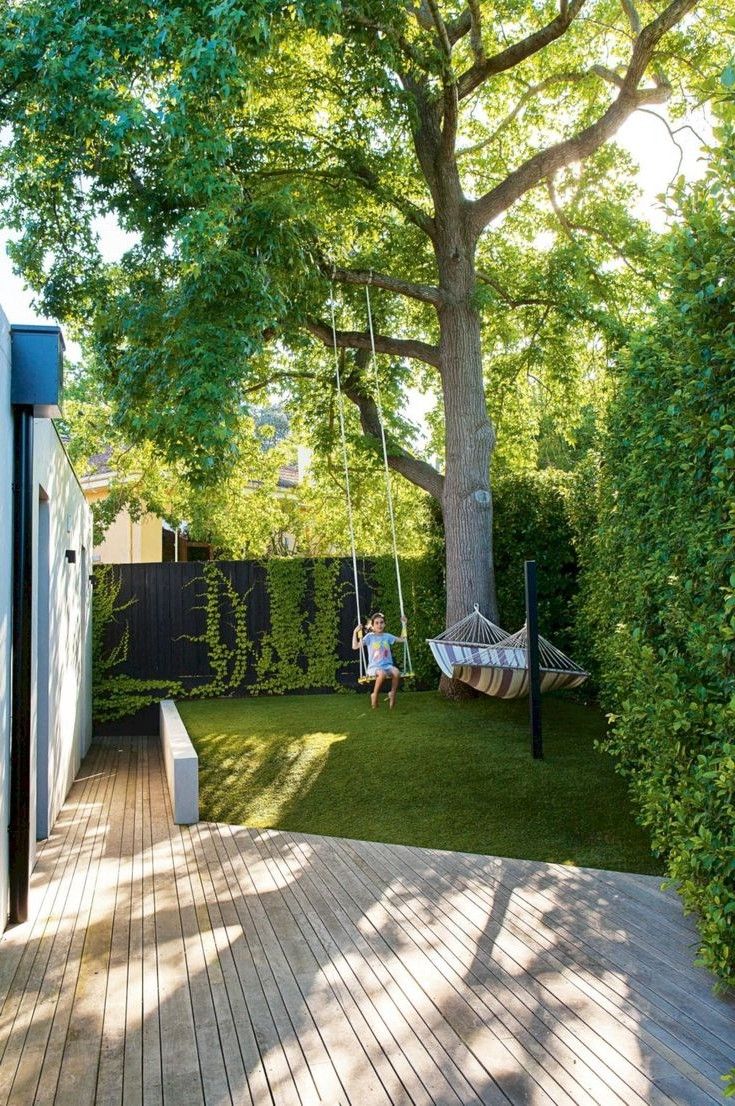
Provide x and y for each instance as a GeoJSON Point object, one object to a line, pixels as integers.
{"type": "Point", "coordinates": [660, 592]}
{"type": "Point", "coordinates": [533, 521]}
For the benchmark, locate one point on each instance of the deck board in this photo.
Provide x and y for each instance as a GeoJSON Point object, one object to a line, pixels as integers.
{"type": "Point", "coordinates": [218, 965]}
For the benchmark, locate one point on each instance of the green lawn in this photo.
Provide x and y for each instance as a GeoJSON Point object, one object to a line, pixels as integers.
{"type": "Point", "coordinates": [447, 775]}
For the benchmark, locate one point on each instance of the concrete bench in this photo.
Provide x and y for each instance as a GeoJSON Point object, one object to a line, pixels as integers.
{"type": "Point", "coordinates": [182, 765]}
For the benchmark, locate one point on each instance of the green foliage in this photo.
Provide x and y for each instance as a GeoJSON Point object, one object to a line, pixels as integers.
{"type": "Point", "coordinates": [114, 694]}
{"type": "Point", "coordinates": [661, 594]}
{"type": "Point", "coordinates": [583, 505]}
{"type": "Point", "coordinates": [278, 667]}
{"type": "Point", "coordinates": [532, 522]}
{"type": "Point", "coordinates": [300, 649]}
{"type": "Point", "coordinates": [321, 652]}
{"type": "Point", "coordinates": [239, 511]}
{"type": "Point", "coordinates": [228, 663]}
{"type": "Point", "coordinates": [422, 581]}
{"type": "Point", "coordinates": [244, 150]}
{"type": "Point", "coordinates": [317, 517]}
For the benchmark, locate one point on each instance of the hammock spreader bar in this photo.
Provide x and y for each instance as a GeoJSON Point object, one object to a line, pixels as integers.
{"type": "Point", "coordinates": [459, 642]}
{"type": "Point", "coordinates": [501, 670]}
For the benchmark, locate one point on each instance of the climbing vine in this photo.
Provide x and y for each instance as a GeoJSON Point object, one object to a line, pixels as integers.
{"type": "Point", "coordinates": [115, 694]}
{"type": "Point", "coordinates": [228, 663]}
{"type": "Point", "coordinates": [322, 657]}
{"type": "Point", "coordinates": [278, 666]}
{"type": "Point", "coordinates": [300, 649]}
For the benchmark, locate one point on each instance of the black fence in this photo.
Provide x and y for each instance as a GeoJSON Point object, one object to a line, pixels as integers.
{"type": "Point", "coordinates": [164, 614]}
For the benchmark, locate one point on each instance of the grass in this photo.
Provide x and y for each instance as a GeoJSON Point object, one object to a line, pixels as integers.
{"type": "Point", "coordinates": [433, 773]}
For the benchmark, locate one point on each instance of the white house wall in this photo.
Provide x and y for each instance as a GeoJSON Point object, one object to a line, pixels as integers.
{"type": "Point", "coordinates": [61, 626]}
{"type": "Point", "coordinates": [61, 717]}
{"type": "Point", "coordinates": [6, 531]}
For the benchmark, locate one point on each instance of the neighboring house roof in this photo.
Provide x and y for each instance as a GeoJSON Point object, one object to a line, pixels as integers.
{"type": "Point", "coordinates": [98, 463]}
{"type": "Point", "coordinates": [288, 476]}
{"type": "Point", "coordinates": [100, 472]}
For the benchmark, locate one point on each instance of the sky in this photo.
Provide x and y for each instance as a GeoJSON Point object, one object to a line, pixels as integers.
{"type": "Point", "coordinates": [645, 137]}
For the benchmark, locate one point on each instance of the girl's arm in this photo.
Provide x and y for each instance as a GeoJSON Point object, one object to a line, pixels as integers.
{"type": "Point", "coordinates": [357, 635]}
{"type": "Point", "coordinates": [404, 628]}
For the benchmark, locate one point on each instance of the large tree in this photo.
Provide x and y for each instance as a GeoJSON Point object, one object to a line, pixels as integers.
{"type": "Point", "coordinates": [450, 156]}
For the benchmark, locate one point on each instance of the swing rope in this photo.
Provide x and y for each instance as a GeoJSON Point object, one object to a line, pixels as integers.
{"type": "Point", "coordinates": [340, 408]}
{"type": "Point", "coordinates": [407, 666]}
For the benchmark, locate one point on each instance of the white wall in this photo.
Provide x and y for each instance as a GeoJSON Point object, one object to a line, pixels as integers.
{"type": "Point", "coordinates": [6, 531]}
{"type": "Point", "coordinates": [61, 625]}
{"type": "Point", "coordinates": [61, 718]}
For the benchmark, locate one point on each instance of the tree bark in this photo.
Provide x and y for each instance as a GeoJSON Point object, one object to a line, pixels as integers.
{"type": "Point", "coordinates": [467, 501]}
{"type": "Point", "coordinates": [469, 436]}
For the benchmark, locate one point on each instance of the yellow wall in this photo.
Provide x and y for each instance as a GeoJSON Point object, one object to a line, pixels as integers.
{"type": "Point", "coordinates": [127, 542]}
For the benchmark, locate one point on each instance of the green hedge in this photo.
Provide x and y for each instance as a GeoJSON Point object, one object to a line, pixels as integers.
{"type": "Point", "coordinates": [533, 521]}
{"type": "Point", "coordinates": [660, 594]}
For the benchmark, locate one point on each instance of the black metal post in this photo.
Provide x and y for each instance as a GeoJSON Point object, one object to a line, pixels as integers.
{"type": "Point", "coordinates": [20, 750]}
{"type": "Point", "coordinates": [534, 676]}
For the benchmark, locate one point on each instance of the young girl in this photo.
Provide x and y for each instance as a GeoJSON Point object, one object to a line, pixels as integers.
{"type": "Point", "coordinates": [379, 658]}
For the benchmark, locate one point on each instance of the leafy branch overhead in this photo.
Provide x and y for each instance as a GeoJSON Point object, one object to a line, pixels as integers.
{"type": "Point", "coordinates": [452, 158]}
{"type": "Point", "coordinates": [243, 151]}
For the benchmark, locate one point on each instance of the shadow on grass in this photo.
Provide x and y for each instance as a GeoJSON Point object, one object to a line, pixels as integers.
{"type": "Point", "coordinates": [455, 776]}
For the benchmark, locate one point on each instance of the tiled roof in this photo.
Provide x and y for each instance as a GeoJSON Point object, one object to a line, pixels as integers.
{"type": "Point", "coordinates": [98, 465]}
{"type": "Point", "coordinates": [288, 475]}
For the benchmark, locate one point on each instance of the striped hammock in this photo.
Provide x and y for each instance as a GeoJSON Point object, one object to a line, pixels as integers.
{"type": "Point", "coordinates": [502, 668]}
{"type": "Point", "coordinates": [460, 642]}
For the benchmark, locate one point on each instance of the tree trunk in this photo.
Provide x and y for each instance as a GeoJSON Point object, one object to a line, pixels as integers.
{"type": "Point", "coordinates": [467, 502]}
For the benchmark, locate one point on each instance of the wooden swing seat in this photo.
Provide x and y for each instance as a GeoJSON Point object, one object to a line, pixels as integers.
{"type": "Point", "coordinates": [371, 679]}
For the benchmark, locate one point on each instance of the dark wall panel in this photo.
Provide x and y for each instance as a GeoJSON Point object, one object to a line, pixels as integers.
{"type": "Point", "coordinates": [166, 613]}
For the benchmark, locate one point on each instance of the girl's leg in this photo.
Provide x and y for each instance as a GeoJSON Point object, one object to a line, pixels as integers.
{"type": "Point", "coordinates": [395, 678]}
{"type": "Point", "coordinates": [376, 689]}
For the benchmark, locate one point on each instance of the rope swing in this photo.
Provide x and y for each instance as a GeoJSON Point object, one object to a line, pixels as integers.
{"type": "Point", "coordinates": [407, 669]}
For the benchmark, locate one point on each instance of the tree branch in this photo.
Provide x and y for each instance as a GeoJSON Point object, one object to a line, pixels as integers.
{"type": "Point", "coordinates": [531, 91]}
{"type": "Point", "coordinates": [425, 293]}
{"type": "Point", "coordinates": [570, 227]}
{"type": "Point", "coordinates": [358, 339]}
{"type": "Point", "coordinates": [389, 32]}
{"type": "Point", "coordinates": [478, 50]}
{"type": "Point", "coordinates": [583, 144]}
{"type": "Point", "coordinates": [524, 301]}
{"type": "Point", "coordinates": [450, 118]}
{"type": "Point", "coordinates": [362, 175]}
{"type": "Point", "coordinates": [519, 51]}
{"type": "Point", "coordinates": [418, 472]}
{"type": "Point", "coordinates": [633, 17]}
{"type": "Point", "coordinates": [459, 27]}
{"type": "Point", "coordinates": [672, 132]}
{"type": "Point", "coordinates": [267, 380]}
{"type": "Point", "coordinates": [369, 180]}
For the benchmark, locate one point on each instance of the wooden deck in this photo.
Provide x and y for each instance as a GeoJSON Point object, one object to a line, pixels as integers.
{"type": "Point", "coordinates": [216, 964]}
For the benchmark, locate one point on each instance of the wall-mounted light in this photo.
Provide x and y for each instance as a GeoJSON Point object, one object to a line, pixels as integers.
{"type": "Point", "coordinates": [71, 556]}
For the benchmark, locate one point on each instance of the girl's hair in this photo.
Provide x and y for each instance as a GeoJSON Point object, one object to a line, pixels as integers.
{"type": "Point", "coordinates": [377, 614]}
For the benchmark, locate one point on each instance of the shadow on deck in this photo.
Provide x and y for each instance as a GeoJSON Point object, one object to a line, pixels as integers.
{"type": "Point", "coordinates": [216, 964]}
